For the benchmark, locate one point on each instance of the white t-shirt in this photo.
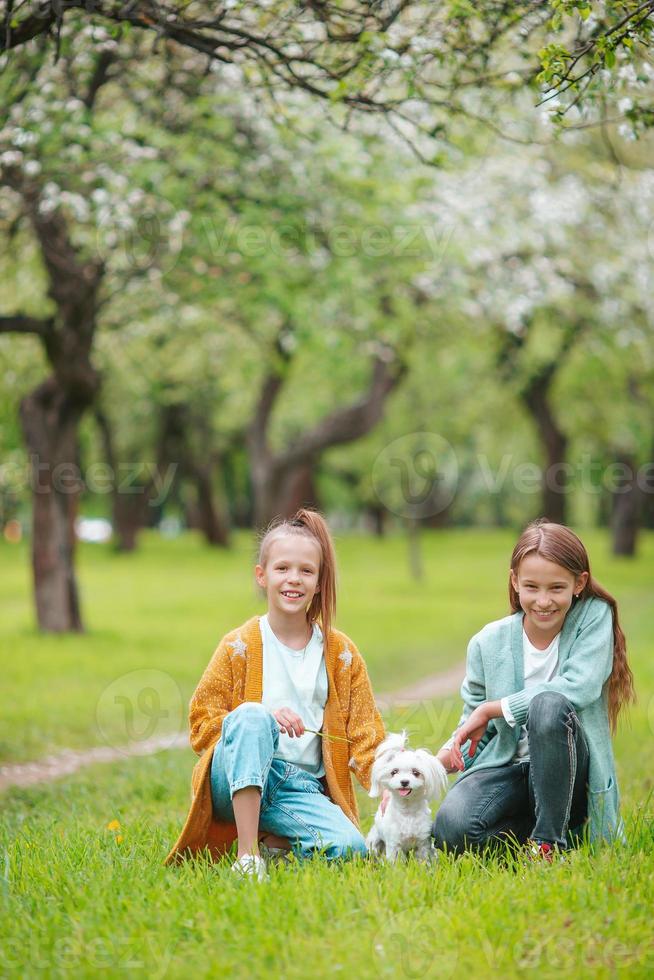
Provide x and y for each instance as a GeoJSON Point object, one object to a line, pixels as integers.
{"type": "Point", "coordinates": [539, 666]}
{"type": "Point", "coordinates": [296, 679]}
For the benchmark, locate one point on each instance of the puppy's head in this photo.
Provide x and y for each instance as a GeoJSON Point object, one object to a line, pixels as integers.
{"type": "Point", "coordinates": [385, 752]}
{"type": "Point", "coordinates": [407, 773]}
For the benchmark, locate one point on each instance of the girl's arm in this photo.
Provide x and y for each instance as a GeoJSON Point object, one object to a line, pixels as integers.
{"type": "Point", "coordinates": [473, 692]}
{"type": "Point", "coordinates": [580, 680]}
{"type": "Point", "coordinates": [212, 700]}
{"type": "Point", "coordinates": [586, 669]}
{"type": "Point", "coordinates": [364, 725]}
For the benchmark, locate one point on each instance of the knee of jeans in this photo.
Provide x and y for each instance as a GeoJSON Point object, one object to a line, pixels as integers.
{"type": "Point", "coordinates": [252, 715]}
{"type": "Point", "coordinates": [452, 827]}
{"type": "Point", "coordinates": [347, 845]}
{"type": "Point", "coordinates": [547, 711]}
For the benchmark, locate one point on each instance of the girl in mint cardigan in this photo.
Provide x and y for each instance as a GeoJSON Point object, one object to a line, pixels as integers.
{"type": "Point", "coordinates": [542, 694]}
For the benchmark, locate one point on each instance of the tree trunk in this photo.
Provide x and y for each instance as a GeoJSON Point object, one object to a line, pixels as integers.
{"type": "Point", "coordinates": [129, 511]}
{"type": "Point", "coordinates": [281, 493]}
{"type": "Point", "coordinates": [50, 420]}
{"type": "Point", "coordinates": [627, 501]}
{"type": "Point", "coordinates": [297, 489]}
{"type": "Point", "coordinates": [238, 489]}
{"type": "Point", "coordinates": [266, 485]}
{"type": "Point", "coordinates": [534, 392]}
{"type": "Point", "coordinates": [280, 480]}
{"type": "Point", "coordinates": [555, 445]}
{"type": "Point", "coordinates": [50, 415]}
{"type": "Point", "coordinates": [209, 519]}
{"type": "Point", "coordinates": [647, 490]}
{"type": "Point", "coordinates": [377, 515]}
{"type": "Point", "coordinates": [176, 449]}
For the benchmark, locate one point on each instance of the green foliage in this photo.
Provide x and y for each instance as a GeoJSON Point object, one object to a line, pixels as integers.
{"type": "Point", "coordinates": [554, 59]}
{"type": "Point", "coordinates": [225, 232]}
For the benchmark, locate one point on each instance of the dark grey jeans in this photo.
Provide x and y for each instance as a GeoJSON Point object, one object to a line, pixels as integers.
{"type": "Point", "coordinates": [540, 799]}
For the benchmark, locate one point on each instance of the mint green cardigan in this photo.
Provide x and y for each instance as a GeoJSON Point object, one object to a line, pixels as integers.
{"type": "Point", "coordinates": [495, 669]}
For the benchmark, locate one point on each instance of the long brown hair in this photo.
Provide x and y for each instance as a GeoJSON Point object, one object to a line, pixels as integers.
{"type": "Point", "coordinates": [311, 524]}
{"type": "Point", "coordinates": [558, 544]}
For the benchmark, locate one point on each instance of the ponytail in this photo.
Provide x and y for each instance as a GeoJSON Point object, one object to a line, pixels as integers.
{"type": "Point", "coordinates": [313, 525]}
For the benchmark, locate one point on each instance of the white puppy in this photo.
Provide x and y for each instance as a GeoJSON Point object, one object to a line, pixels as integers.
{"type": "Point", "coordinates": [414, 778]}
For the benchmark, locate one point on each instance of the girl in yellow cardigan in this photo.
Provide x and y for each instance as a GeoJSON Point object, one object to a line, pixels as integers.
{"type": "Point", "coordinates": [282, 716]}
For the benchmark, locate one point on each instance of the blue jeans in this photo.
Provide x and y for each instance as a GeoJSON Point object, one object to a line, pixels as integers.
{"type": "Point", "coordinates": [293, 801]}
{"type": "Point", "coordinates": [543, 798]}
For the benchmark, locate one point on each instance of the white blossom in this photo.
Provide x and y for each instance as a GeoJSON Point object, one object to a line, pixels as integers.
{"type": "Point", "coordinates": [25, 138]}
{"type": "Point", "coordinates": [11, 158]}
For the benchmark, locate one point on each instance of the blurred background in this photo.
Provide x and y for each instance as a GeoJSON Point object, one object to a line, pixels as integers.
{"type": "Point", "coordinates": [228, 290]}
{"type": "Point", "coordinates": [222, 301]}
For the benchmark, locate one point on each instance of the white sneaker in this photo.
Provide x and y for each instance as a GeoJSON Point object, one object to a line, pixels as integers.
{"type": "Point", "coordinates": [250, 866]}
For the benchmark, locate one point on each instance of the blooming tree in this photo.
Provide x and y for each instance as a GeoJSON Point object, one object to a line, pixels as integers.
{"type": "Point", "coordinates": [81, 186]}
{"type": "Point", "coordinates": [417, 64]}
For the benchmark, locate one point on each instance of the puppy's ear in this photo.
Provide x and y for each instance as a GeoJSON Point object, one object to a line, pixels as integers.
{"type": "Point", "coordinates": [435, 775]}
{"type": "Point", "coordinates": [376, 777]}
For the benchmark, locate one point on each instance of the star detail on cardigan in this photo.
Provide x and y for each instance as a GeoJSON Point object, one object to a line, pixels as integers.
{"type": "Point", "coordinates": [346, 656]}
{"type": "Point", "coordinates": [238, 646]}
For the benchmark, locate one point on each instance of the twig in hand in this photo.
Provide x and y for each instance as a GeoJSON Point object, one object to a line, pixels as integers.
{"type": "Point", "coordinates": [336, 738]}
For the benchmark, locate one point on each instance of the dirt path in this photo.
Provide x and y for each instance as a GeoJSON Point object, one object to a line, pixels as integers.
{"type": "Point", "coordinates": [427, 689]}
{"type": "Point", "coordinates": [68, 761]}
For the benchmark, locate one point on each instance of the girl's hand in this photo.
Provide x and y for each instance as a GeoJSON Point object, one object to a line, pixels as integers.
{"type": "Point", "coordinates": [445, 758]}
{"type": "Point", "coordinates": [289, 723]}
{"type": "Point", "coordinates": [386, 795]}
{"type": "Point", "coordinates": [473, 729]}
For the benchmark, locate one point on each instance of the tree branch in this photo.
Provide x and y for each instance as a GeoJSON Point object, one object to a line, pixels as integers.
{"type": "Point", "coordinates": [100, 76]}
{"type": "Point", "coordinates": [272, 384]}
{"type": "Point", "coordinates": [25, 324]}
{"type": "Point", "coordinates": [350, 423]}
{"type": "Point", "coordinates": [33, 26]}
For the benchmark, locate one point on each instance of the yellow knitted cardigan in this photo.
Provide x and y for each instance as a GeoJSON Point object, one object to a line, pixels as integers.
{"type": "Point", "coordinates": [235, 674]}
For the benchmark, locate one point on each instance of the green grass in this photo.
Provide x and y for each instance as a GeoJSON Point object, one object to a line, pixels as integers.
{"type": "Point", "coordinates": [76, 901]}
